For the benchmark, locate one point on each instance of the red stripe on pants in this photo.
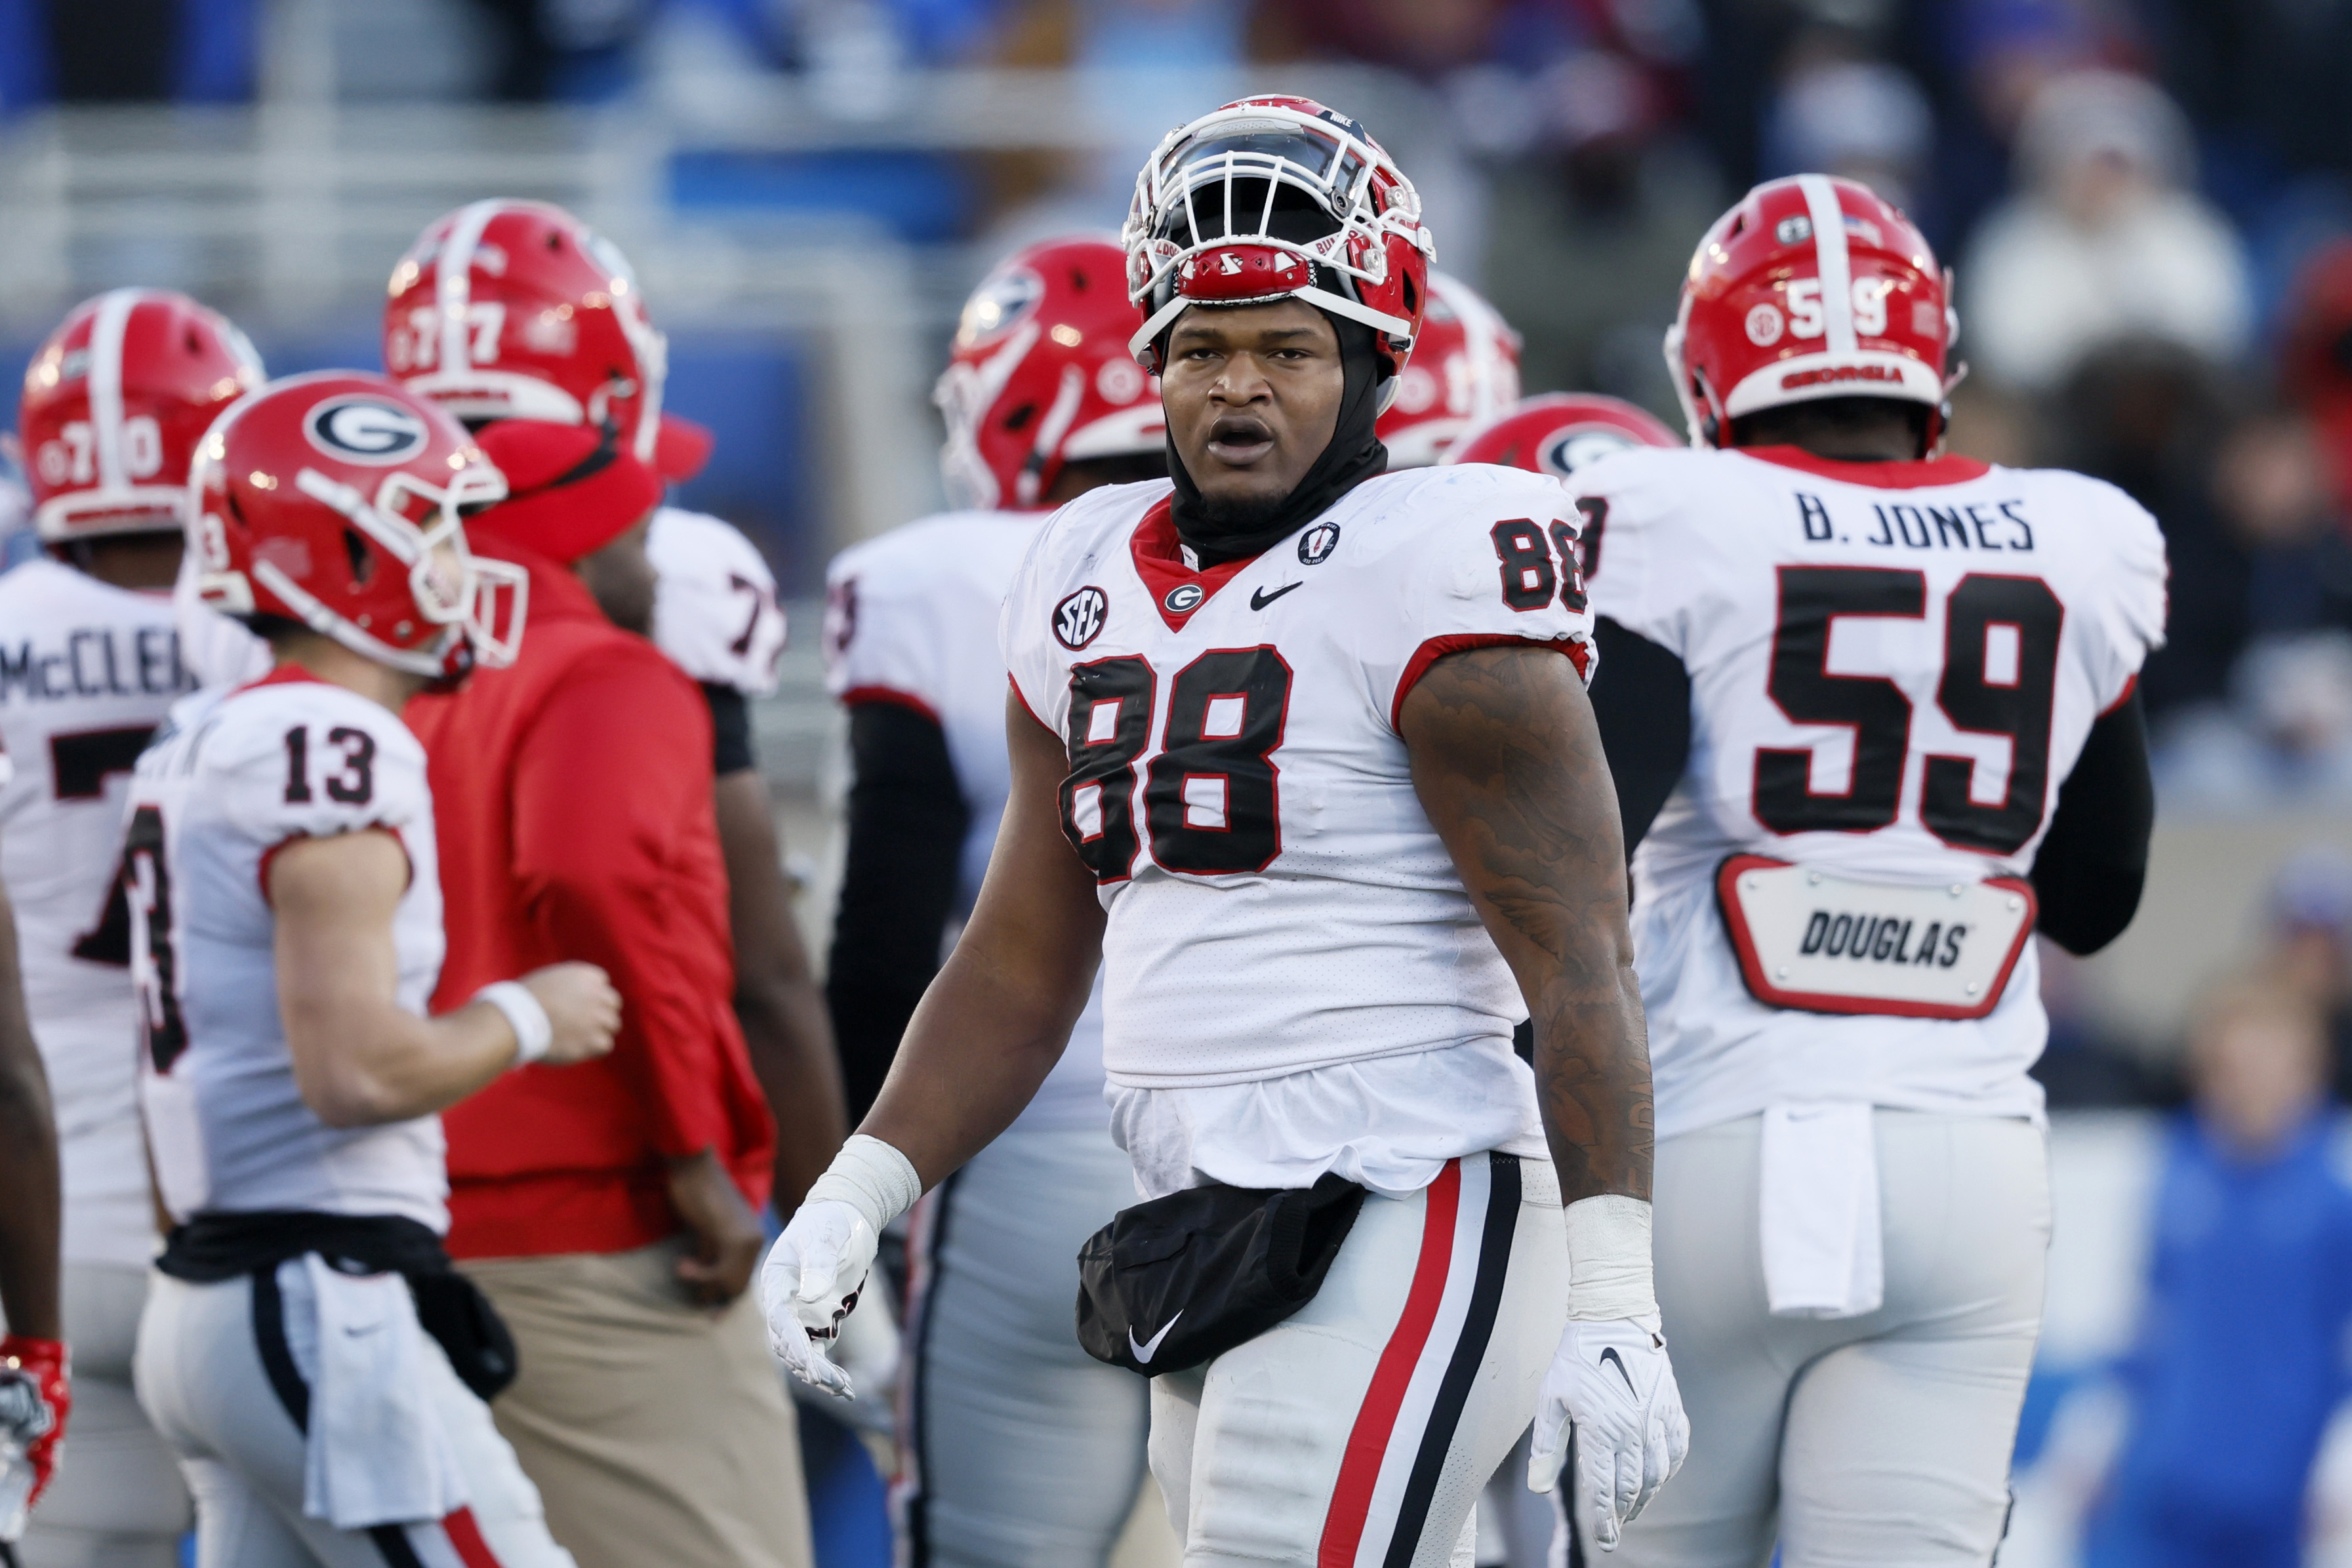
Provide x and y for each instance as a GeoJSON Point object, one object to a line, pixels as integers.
{"type": "Point", "coordinates": [1368, 1442]}
{"type": "Point", "coordinates": [466, 1537]}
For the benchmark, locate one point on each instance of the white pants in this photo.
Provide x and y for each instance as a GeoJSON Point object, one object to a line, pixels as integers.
{"type": "Point", "coordinates": [1358, 1433]}
{"type": "Point", "coordinates": [117, 1501]}
{"type": "Point", "coordinates": [1017, 1448]}
{"type": "Point", "coordinates": [1880, 1441]}
{"type": "Point", "coordinates": [217, 1372]}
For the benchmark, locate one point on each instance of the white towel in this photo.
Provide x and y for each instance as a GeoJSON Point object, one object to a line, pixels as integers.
{"type": "Point", "coordinates": [376, 1452]}
{"type": "Point", "coordinates": [1819, 1191]}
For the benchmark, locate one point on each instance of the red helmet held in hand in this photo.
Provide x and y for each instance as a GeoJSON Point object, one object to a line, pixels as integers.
{"type": "Point", "coordinates": [1277, 198]}
{"type": "Point", "coordinates": [336, 499]}
{"type": "Point", "coordinates": [1464, 369]}
{"type": "Point", "coordinates": [1041, 375]}
{"type": "Point", "coordinates": [113, 405]}
{"type": "Point", "coordinates": [1810, 288]}
{"type": "Point", "coordinates": [1559, 433]}
{"type": "Point", "coordinates": [510, 309]}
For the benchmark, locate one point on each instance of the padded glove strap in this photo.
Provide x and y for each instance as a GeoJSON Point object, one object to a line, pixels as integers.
{"type": "Point", "coordinates": [880, 1183]}
{"type": "Point", "coordinates": [1609, 1260]}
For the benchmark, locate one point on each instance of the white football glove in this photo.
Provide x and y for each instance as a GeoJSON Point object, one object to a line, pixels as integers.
{"type": "Point", "coordinates": [1612, 1379]}
{"type": "Point", "coordinates": [809, 1283]}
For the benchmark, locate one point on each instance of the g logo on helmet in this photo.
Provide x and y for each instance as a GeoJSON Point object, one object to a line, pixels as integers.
{"type": "Point", "coordinates": [1078, 620]}
{"type": "Point", "coordinates": [1574, 449]}
{"type": "Point", "coordinates": [368, 430]}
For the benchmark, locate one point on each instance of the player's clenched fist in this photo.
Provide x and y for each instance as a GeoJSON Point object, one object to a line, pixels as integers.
{"type": "Point", "coordinates": [1613, 1380]}
{"type": "Point", "coordinates": [583, 1010]}
{"type": "Point", "coordinates": [810, 1283]}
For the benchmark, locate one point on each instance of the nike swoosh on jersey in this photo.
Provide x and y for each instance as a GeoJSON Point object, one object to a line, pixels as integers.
{"type": "Point", "coordinates": [1259, 599]}
{"type": "Point", "coordinates": [1144, 1353]}
{"type": "Point", "coordinates": [1607, 1356]}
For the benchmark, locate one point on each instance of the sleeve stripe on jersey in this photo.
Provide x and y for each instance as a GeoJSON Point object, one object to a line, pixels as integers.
{"type": "Point", "coordinates": [891, 695]}
{"type": "Point", "coordinates": [2131, 684]}
{"type": "Point", "coordinates": [1579, 653]}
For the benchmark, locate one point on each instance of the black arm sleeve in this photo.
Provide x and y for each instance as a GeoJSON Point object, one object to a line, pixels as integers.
{"type": "Point", "coordinates": [907, 823]}
{"type": "Point", "coordinates": [731, 730]}
{"type": "Point", "coordinates": [1640, 696]}
{"type": "Point", "coordinates": [2094, 858]}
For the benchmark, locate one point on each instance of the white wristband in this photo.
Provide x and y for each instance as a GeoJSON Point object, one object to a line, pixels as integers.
{"type": "Point", "coordinates": [873, 1179]}
{"type": "Point", "coordinates": [1609, 1260]}
{"type": "Point", "coordinates": [534, 1030]}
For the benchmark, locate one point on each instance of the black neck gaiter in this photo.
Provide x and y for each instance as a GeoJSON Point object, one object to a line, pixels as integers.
{"type": "Point", "coordinates": [1354, 455]}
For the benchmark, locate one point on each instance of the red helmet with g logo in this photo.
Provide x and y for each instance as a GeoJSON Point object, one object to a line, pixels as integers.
{"type": "Point", "coordinates": [1559, 433]}
{"type": "Point", "coordinates": [1810, 288]}
{"type": "Point", "coordinates": [509, 309]}
{"type": "Point", "coordinates": [1464, 369]}
{"type": "Point", "coordinates": [1041, 375]}
{"type": "Point", "coordinates": [114, 404]}
{"type": "Point", "coordinates": [336, 499]}
{"type": "Point", "coordinates": [1277, 198]}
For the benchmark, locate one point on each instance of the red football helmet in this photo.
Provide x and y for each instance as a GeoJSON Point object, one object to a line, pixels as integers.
{"type": "Point", "coordinates": [1559, 433]}
{"type": "Point", "coordinates": [114, 404]}
{"type": "Point", "coordinates": [1464, 369]}
{"type": "Point", "coordinates": [1274, 198]}
{"type": "Point", "coordinates": [1810, 288]}
{"type": "Point", "coordinates": [1041, 375]}
{"type": "Point", "coordinates": [509, 309]}
{"type": "Point", "coordinates": [335, 499]}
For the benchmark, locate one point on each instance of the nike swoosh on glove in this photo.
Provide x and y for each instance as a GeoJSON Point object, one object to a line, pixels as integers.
{"type": "Point", "coordinates": [809, 1283]}
{"type": "Point", "coordinates": [1612, 1379]}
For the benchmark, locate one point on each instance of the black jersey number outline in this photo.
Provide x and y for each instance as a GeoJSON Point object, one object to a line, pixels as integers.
{"type": "Point", "coordinates": [1211, 797]}
{"type": "Point", "coordinates": [146, 882]}
{"type": "Point", "coordinates": [1875, 711]}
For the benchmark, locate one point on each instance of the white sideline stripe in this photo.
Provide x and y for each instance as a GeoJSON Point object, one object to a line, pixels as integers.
{"type": "Point", "coordinates": [1836, 265]}
{"type": "Point", "coordinates": [105, 381]}
{"type": "Point", "coordinates": [1437, 1354]}
{"type": "Point", "coordinates": [453, 282]}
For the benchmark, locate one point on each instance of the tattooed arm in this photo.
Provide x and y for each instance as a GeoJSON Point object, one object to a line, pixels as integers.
{"type": "Point", "coordinates": [1507, 762]}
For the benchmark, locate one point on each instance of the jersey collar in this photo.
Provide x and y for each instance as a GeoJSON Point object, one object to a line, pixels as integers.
{"type": "Point", "coordinates": [1919, 475]}
{"type": "Point", "coordinates": [1160, 561]}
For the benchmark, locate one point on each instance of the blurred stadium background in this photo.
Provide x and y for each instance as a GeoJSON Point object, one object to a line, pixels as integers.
{"type": "Point", "coordinates": [2149, 204]}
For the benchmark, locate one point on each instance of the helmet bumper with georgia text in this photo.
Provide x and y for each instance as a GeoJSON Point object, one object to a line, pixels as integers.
{"type": "Point", "coordinates": [113, 405]}
{"type": "Point", "coordinates": [1278, 198]}
{"type": "Point", "coordinates": [1040, 375]}
{"type": "Point", "coordinates": [515, 310]}
{"type": "Point", "coordinates": [1558, 433]}
{"type": "Point", "coordinates": [1810, 288]}
{"type": "Point", "coordinates": [336, 499]}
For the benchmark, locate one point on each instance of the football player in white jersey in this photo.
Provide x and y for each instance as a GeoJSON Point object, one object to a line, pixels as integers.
{"type": "Point", "coordinates": [1903, 736]}
{"type": "Point", "coordinates": [112, 406]}
{"type": "Point", "coordinates": [1301, 753]}
{"type": "Point", "coordinates": [306, 1347]}
{"type": "Point", "coordinates": [1015, 1447]}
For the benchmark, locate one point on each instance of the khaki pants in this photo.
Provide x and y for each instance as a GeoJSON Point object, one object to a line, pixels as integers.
{"type": "Point", "coordinates": [656, 1431]}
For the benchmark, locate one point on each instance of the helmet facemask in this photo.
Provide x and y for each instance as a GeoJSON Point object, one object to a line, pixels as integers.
{"type": "Point", "coordinates": [421, 527]}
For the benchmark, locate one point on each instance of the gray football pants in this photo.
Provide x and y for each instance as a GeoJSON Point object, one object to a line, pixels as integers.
{"type": "Point", "coordinates": [1017, 1448]}
{"type": "Point", "coordinates": [1880, 1441]}
{"type": "Point", "coordinates": [118, 1501]}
